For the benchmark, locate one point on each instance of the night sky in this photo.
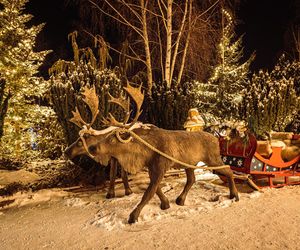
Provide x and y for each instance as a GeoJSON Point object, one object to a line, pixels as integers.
{"type": "Point", "coordinates": [264, 24]}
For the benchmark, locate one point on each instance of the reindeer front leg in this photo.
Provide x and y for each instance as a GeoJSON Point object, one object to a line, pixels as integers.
{"type": "Point", "coordinates": [112, 177]}
{"type": "Point", "coordinates": [156, 177]}
{"type": "Point", "coordinates": [124, 176]}
{"type": "Point", "coordinates": [190, 180]}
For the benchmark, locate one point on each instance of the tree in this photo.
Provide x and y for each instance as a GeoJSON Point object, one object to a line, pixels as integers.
{"type": "Point", "coordinates": [223, 94]}
{"type": "Point", "coordinates": [4, 98]}
{"type": "Point", "coordinates": [271, 100]}
{"type": "Point", "coordinates": [18, 65]}
{"type": "Point", "coordinates": [164, 28]}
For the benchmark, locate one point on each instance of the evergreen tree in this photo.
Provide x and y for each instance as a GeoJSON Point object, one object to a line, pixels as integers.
{"type": "Point", "coordinates": [4, 98]}
{"type": "Point", "coordinates": [271, 101]}
{"type": "Point", "coordinates": [222, 95]}
{"type": "Point", "coordinates": [18, 65]}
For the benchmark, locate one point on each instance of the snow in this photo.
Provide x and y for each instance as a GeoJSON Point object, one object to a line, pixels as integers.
{"type": "Point", "coordinates": [81, 218]}
{"type": "Point", "coordinates": [205, 195]}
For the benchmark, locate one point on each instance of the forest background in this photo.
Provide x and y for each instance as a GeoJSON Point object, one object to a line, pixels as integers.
{"type": "Point", "coordinates": [185, 54]}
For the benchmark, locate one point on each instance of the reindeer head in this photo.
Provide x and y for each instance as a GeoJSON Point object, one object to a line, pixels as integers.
{"type": "Point", "coordinates": [89, 137]}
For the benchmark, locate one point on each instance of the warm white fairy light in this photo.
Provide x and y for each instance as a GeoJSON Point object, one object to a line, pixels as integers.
{"type": "Point", "coordinates": [18, 65]}
{"type": "Point", "coordinates": [228, 79]}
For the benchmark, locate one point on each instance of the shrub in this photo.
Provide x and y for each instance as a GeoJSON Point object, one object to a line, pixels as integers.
{"type": "Point", "coordinates": [168, 106]}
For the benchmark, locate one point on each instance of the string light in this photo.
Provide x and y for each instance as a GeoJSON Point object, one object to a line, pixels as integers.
{"type": "Point", "coordinates": [19, 63]}
{"type": "Point", "coordinates": [224, 89]}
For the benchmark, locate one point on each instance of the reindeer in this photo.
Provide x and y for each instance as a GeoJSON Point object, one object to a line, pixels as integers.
{"type": "Point", "coordinates": [135, 145]}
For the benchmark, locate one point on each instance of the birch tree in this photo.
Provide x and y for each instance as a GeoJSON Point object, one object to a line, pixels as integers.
{"type": "Point", "coordinates": [164, 27]}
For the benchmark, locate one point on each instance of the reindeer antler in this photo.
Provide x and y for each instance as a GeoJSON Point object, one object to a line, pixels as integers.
{"type": "Point", "coordinates": [91, 99]}
{"type": "Point", "coordinates": [77, 119]}
{"type": "Point", "coordinates": [137, 95]}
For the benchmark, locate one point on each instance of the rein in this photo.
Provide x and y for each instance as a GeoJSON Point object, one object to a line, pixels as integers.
{"type": "Point", "coordinates": [86, 147]}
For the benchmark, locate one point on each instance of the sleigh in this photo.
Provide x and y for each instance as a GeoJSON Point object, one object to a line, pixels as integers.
{"type": "Point", "coordinates": [242, 156]}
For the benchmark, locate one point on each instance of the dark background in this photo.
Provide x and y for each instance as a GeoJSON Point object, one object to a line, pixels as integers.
{"type": "Point", "coordinates": [266, 26]}
{"type": "Point", "coordinates": [264, 23]}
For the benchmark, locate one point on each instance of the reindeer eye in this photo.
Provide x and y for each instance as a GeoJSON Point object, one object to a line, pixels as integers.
{"type": "Point", "coordinates": [92, 149]}
{"type": "Point", "coordinates": [79, 143]}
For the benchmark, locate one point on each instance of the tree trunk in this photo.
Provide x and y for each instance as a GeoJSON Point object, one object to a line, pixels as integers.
{"type": "Point", "coordinates": [147, 46]}
{"type": "Point", "coordinates": [178, 40]}
{"type": "Point", "coordinates": [169, 43]}
{"type": "Point", "coordinates": [3, 105]}
{"type": "Point", "coordinates": [186, 43]}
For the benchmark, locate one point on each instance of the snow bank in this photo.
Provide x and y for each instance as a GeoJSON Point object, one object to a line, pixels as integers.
{"type": "Point", "coordinates": [21, 199]}
{"type": "Point", "coordinates": [203, 197]}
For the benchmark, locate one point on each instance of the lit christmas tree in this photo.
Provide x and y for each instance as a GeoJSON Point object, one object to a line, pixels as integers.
{"type": "Point", "coordinates": [18, 65]}
{"type": "Point", "coordinates": [222, 95]}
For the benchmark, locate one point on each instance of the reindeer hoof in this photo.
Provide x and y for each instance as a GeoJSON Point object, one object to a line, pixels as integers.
{"type": "Point", "coordinates": [128, 192]}
{"type": "Point", "coordinates": [164, 206]}
{"type": "Point", "coordinates": [132, 219]}
{"type": "Point", "coordinates": [236, 196]}
{"type": "Point", "coordinates": [180, 201]}
{"type": "Point", "coordinates": [110, 195]}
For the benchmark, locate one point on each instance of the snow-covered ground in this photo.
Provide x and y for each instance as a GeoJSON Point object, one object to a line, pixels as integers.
{"type": "Point", "coordinates": [81, 218]}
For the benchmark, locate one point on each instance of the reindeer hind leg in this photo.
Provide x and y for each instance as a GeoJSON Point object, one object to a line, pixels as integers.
{"type": "Point", "coordinates": [232, 188]}
{"type": "Point", "coordinates": [155, 179]}
{"type": "Point", "coordinates": [165, 204]}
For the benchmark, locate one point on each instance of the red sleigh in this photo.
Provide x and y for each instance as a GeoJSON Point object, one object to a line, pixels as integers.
{"type": "Point", "coordinates": [241, 155]}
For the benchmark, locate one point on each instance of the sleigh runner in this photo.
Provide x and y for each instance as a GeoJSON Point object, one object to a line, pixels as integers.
{"type": "Point", "coordinates": [243, 156]}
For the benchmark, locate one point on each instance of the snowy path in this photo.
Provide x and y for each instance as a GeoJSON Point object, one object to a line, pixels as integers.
{"type": "Point", "coordinates": [83, 219]}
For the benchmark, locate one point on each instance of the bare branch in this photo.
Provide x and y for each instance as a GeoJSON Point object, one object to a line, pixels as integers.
{"type": "Point", "coordinates": [147, 10]}
{"type": "Point", "coordinates": [129, 6]}
{"type": "Point", "coordinates": [204, 12]}
{"type": "Point", "coordinates": [162, 13]}
{"type": "Point", "coordinates": [123, 20]}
